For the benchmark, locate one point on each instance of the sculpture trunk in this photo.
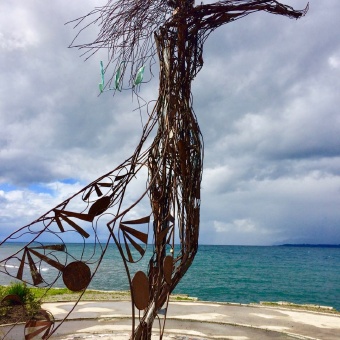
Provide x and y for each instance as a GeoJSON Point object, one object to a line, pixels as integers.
{"type": "Point", "coordinates": [175, 172]}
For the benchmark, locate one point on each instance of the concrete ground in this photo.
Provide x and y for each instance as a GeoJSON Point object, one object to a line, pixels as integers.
{"type": "Point", "coordinates": [191, 321]}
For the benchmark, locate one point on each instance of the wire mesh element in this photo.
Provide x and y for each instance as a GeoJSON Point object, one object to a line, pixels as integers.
{"type": "Point", "coordinates": [135, 33]}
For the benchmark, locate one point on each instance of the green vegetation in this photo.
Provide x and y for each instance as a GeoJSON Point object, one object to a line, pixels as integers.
{"type": "Point", "coordinates": [290, 305]}
{"type": "Point", "coordinates": [64, 294]}
{"type": "Point", "coordinates": [182, 297]}
{"type": "Point", "coordinates": [22, 296]}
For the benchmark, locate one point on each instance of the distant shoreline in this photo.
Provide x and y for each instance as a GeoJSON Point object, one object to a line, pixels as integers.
{"type": "Point", "coordinates": [306, 245]}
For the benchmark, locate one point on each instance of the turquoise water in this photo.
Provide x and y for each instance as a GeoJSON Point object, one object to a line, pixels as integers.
{"type": "Point", "coordinates": [240, 274]}
{"type": "Point", "coordinates": [253, 274]}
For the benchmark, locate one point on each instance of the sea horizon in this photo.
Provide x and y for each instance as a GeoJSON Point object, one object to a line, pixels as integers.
{"type": "Point", "coordinates": [321, 245]}
{"type": "Point", "coordinates": [230, 273]}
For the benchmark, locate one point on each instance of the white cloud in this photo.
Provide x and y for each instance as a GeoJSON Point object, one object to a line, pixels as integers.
{"type": "Point", "coordinates": [274, 210]}
{"type": "Point", "coordinates": [18, 41]}
{"type": "Point", "coordinates": [244, 226]}
{"type": "Point", "coordinates": [25, 204]}
{"type": "Point", "coordinates": [334, 62]}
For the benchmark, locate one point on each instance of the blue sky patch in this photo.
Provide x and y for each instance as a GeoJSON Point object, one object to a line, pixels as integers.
{"type": "Point", "coordinates": [7, 187]}
{"type": "Point", "coordinates": [69, 181]}
{"type": "Point", "coordinates": [40, 188]}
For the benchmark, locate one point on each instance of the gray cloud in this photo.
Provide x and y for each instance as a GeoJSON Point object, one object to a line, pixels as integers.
{"type": "Point", "coordinates": [266, 99]}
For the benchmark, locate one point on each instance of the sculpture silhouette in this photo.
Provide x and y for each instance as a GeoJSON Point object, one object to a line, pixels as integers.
{"type": "Point", "coordinates": [134, 32]}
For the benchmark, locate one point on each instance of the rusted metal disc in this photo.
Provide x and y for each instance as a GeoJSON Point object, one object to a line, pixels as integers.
{"type": "Point", "coordinates": [12, 299]}
{"type": "Point", "coordinates": [140, 290]}
{"type": "Point", "coordinates": [39, 326]}
{"type": "Point", "coordinates": [99, 206]}
{"type": "Point", "coordinates": [76, 276]}
{"type": "Point", "coordinates": [168, 264]}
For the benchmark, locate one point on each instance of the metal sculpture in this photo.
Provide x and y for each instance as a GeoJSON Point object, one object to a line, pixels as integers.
{"type": "Point", "coordinates": [134, 32]}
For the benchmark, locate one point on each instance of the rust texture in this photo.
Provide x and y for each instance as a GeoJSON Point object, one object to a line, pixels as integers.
{"type": "Point", "coordinates": [39, 327]}
{"type": "Point", "coordinates": [136, 33]}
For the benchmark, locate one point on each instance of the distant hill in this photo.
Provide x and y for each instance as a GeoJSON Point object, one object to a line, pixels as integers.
{"type": "Point", "coordinates": [311, 245]}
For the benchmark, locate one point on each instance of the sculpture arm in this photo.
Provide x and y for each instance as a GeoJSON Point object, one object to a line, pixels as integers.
{"type": "Point", "coordinates": [219, 13]}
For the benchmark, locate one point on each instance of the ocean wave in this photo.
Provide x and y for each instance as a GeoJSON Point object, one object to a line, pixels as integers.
{"type": "Point", "coordinates": [44, 269]}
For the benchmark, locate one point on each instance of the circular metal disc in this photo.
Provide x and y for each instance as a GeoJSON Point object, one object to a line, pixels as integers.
{"type": "Point", "coordinates": [76, 276]}
{"type": "Point", "coordinates": [167, 268]}
{"type": "Point", "coordinates": [12, 299]}
{"type": "Point", "coordinates": [99, 206]}
{"type": "Point", "coordinates": [140, 290]}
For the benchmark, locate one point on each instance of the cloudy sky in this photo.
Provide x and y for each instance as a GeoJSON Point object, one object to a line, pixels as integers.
{"type": "Point", "coordinates": [267, 101]}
